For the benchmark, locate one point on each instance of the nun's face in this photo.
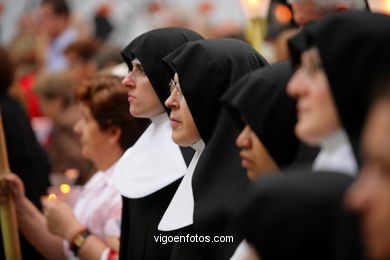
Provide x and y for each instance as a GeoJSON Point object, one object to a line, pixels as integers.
{"type": "Point", "coordinates": [254, 157]}
{"type": "Point", "coordinates": [316, 110]}
{"type": "Point", "coordinates": [370, 194]}
{"type": "Point", "coordinates": [143, 100]}
{"type": "Point", "coordinates": [184, 130]}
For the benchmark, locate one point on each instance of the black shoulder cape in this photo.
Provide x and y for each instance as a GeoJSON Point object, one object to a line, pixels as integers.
{"type": "Point", "coordinates": [299, 215]}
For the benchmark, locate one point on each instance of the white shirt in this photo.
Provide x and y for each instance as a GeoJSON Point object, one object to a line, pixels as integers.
{"type": "Point", "coordinates": [336, 155]}
{"type": "Point", "coordinates": [152, 163]}
{"type": "Point", "coordinates": [98, 207]}
{"type": "Point", "coordinates": [181, 208]}
{"type": "Point", "coordinates": [55, 58]}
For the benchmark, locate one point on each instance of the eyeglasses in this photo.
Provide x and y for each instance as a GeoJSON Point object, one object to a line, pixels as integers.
{"type": "Point", "coordinates": [175, 85]}
{"type": "Point", "coordinates": [137, 71]}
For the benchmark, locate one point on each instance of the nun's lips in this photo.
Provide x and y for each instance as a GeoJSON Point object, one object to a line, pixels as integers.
{"type": "Point", "coordinates": [130, 97]}
{"type": "Point", "coordinates": [301, 110]}
{"type": "Point", "coordinates": [245, 161]}
{"type": "Point", "coordinates": [174, 122]}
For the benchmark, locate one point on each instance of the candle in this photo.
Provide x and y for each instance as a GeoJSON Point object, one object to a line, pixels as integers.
{"type": "Point", "coordinates": [256, 12]}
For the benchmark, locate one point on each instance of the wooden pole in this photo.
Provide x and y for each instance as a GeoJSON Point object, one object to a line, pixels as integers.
{"type": "Point", "coordinates": [9, 226]}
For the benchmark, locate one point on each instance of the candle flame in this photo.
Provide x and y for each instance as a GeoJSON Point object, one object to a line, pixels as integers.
{"type": "Point", "coordinates": [52, 196]}
{"type": "Point", "coordinates": [255, 8]}
{"type": "Point", "coordinates": [65, 188]}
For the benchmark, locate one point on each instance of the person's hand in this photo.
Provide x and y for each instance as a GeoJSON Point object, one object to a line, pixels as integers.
{"type": "Point", "coordinates": [112, 242]}
{"type": "Point", "coordinates": [11, 185]}
{"type": "Point", "coordinates": [60, 219]}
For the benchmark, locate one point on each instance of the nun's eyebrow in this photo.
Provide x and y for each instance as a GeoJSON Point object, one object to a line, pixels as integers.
{"type": "Point", "coordinates": [135, 62]}
{"type": "Point", "coordinates": [138, 66]}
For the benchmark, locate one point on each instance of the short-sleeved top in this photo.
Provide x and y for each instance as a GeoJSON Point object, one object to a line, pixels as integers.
{"type": "Point", "coordinates": [99, 207]}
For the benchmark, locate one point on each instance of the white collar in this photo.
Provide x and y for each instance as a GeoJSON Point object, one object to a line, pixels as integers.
{"type": "Point", "coordinates": [244, 251]}
{"type": "Point", "coordinates": [152, 163]}
{"type": "Point", "coordinates": [181, 209]}
{"type": "Point", "coordinates": [336, 155]}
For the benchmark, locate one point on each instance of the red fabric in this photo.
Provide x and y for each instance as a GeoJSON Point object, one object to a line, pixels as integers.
{"type": "Point", "coordinates": [112, 255]}
{"type": "Point", "coordinates": [26, 83]}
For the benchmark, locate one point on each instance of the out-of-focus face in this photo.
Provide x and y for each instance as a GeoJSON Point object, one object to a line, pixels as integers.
{"type": "Point", "coordinates": [254, 157]}
{"type": "Point", "coordinates": [51, 107]}
{"type": "Point", "coordinates": [370, 194]}
{"type": "Point", "coordinates": [79, 68]}
{"type": "Point", "coordinates": [143, 100]}
{"type": "Point", "coordinates": [316, 111]}
{"type": "Point", "coordinates": [184, 130]}
{"type": "Point", "coordinates": [94, 141]}
{"type": "Point", "coordinates": [50, 23]}
{"type": "Point", "coordinates": [305, 11]}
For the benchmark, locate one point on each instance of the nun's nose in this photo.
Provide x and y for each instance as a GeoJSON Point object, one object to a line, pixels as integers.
{"type": "Point", "coordinates": [128, 81]}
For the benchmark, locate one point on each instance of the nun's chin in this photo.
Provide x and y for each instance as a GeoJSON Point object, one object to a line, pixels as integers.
{"type": "Point", "coordinates": [182, 140]}
{"type": "Point", "coordinates": [251, 175]}
{"type": "Point", "coordinates": [307, 135]}
{"type": "Point", "coordinates": [179, 140]}
{"type": "Point", "coordinates": [182, 143]}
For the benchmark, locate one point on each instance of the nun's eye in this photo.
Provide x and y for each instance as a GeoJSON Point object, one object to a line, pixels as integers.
{"type": "Point", "coordinates": [174, 85]}
{"type": "Point", "coordinates": [317, 66]}
{"type": "Point", "coordinates": [139, 69]}
{"type": "Point", "coordinates": [312, 67]}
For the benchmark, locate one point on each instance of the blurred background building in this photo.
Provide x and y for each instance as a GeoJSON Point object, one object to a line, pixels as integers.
{"type": "Point", "coordinates": [118, 21]}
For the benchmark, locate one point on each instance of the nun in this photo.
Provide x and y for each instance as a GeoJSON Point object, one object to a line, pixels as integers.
{"type": "Point", "coordinates": [203, 71]}
{"type": "Point", "coordinates": [148, 174]}
{"type": "Point", "coordinates": [301, 216]}
{"type": "Point", "coordinates": [369, 195]}
{"type": "Point", "coordinates": [265, 114]}
{"type": "Point", "coordinates": [332, 84]}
